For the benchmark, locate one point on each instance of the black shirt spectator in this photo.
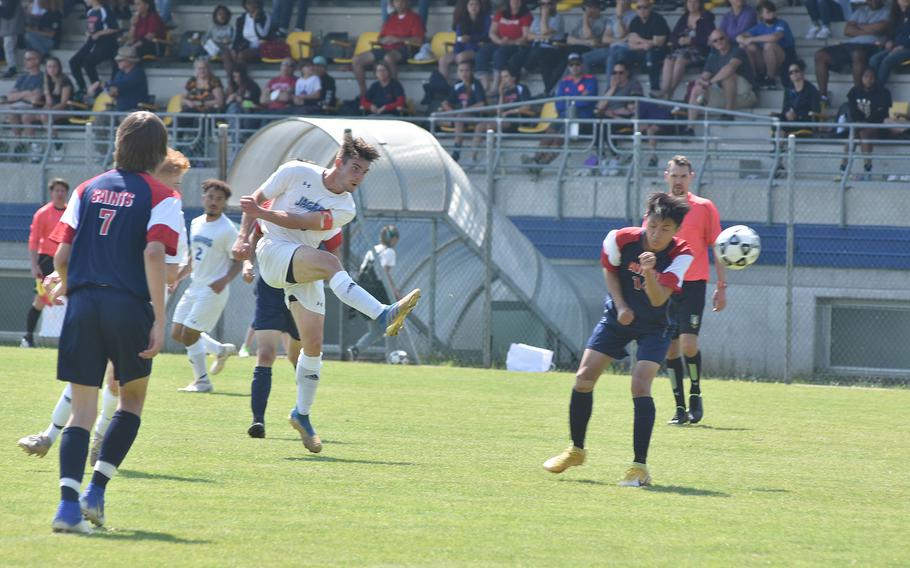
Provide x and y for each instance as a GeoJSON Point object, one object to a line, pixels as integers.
{"type": "Point", "coordinates": [42, 32]}
{"type": "Point", "coordinates": [101, 46]}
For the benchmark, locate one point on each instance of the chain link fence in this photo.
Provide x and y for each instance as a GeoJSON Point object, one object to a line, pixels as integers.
{"type": "Point", "coordinates": [827, 301]}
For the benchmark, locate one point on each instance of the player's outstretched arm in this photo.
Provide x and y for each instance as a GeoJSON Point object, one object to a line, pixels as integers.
{"type": "Point", "coordinates": [155, 276]}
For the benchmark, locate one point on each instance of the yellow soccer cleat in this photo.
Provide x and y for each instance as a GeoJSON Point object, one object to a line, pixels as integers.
{"type": "Point", "coordinates": [35, 445]}
{"type": "Point", "coordinates": [571, 457]}
{"type": "Point", "coordinates": [393, 316]}
{"type": "Point", "coordinates": [636, 476]}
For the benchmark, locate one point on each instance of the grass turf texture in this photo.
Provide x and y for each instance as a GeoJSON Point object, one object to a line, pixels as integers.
{"type": "Point", "coordinates": [442, 466]}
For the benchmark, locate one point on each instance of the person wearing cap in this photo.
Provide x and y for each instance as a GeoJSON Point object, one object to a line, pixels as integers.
{"type": "Point", "coordinates": [328, 102]}
{"type": "Point", "coordinates": [377, 282]}
{"type": "Point", "coordinates": [130, 86]}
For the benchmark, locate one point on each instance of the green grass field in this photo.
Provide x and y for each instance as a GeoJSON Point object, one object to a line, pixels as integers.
{"type": "Point", "coordinates": [441, 466]}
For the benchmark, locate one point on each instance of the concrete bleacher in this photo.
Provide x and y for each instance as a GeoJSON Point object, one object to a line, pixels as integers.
{"type": "Point", "coordinates": [167, 77]}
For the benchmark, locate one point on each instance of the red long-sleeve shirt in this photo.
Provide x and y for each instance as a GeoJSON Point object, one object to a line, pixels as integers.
{"type": "Point", "coordinates": [150, 24]}
{"type": "Point", "coordinates": [43, 222]}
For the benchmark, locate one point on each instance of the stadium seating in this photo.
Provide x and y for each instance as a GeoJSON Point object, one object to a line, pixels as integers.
{"type": "Point", "coordinates": [365, 42]}
{"type": "Point", "coordinates": [441, 43]}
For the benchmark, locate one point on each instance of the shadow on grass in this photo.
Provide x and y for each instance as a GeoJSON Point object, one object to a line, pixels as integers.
{"type": "Point", "coordinates": [160, 476]}
{"type": "Point", "coordinates": [585, 481]}
{"type": "Point", "coordinates": [129, 534]}
{"type": "Point", "coordinates": [719, 428]}
{"type": "Point", "coordinates": [297, 439]}
{"type": "Point", "coordinates": [678, 490]}
{"type": "Point", "coordinates": [240, 394]}
{"type": "Point", "coordinates": [770, 490]}
{"type": "Point", "coordinates": [345, 460]}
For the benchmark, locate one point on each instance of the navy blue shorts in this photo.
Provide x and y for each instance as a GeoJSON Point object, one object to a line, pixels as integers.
{"type": "Point", "coordinates": [101, 324]}
{"type": "Point", "coordinates": [611, 338]}
{"type": "Point", "coordinates": [689, 306]}
{"type": "Point", "coordinates": [271, 311]}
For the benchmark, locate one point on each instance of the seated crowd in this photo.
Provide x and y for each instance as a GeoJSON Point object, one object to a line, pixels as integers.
{"type": "Point", "coordinates": [734, 55]}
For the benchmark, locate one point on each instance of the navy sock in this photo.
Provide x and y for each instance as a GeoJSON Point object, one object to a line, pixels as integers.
{"type": "Point", "coordinates": [259, 392]}
{"type": "Point", "coordinates": [694, 365]}
{"type": "Point", "coordinates": [579, 414]}
{"type": "Point", "coordinates": [643, 425]}
{"type": "Point", "coordinates": [117, 441]}
{"type": "Point", "coordinates": [31, 321]}
{"type": "Point", "coordinates": [675, 366]}
{"type": "Point", "coordinates": [73, 453]}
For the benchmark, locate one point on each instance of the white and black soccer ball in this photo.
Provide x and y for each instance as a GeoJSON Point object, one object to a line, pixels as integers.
{"type": "Point", "coordinates": [398, 357]}
{"type": "Point", "coordinates": [737, 247]}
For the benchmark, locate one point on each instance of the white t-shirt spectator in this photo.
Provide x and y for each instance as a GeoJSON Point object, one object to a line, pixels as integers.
{"type": "Point", "coordinates": [307, 86]}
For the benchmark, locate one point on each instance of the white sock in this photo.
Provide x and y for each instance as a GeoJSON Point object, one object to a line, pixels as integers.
{"type": "Point", "coordinates": [61, 413]}
{"type": "Point", "coordinates": [109, 403]}
{"type": "Point", "coordinates": [211, 346]}
{"type": "Point", "coordinates": [196, 353]}
{"type": "Point", "coordinates": [353, 295]}
{"type": "Point", "coordinates": [307, 381]}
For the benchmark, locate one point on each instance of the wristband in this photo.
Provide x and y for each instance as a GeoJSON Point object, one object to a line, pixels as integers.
{"type": "Point", "coordinates": [325, 220]}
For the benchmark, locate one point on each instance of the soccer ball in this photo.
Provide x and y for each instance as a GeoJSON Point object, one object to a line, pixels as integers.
{"type": "Point", "coordinates": [737, 247]}
{"type": "Point", "coordinates": [398, 358]}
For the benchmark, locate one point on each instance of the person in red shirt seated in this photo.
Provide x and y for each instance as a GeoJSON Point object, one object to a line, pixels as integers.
{"type": "Point", "coordinates": [147, 31]}
{"type": "Point", "coordinates": [400, 35]}
{"type": "Point", "coordinates": [279, 91]}
{"type": "Point", "coordinates": [385, 95]}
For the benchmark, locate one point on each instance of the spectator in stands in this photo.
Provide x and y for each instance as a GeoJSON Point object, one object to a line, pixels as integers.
{"type": "Point", "coordinates": [251, 27]}
{"type": "Point", "coordinates": [147, 32]}
{"type": "Point", "coordinates": [511, 91]}
{"type": "Point", "coordinates": [869, 103]}
{"type": "Point", "coordinates": [130, 87]}
{"type": "Point", "coordinates": [279, 91]}
{"type": "Point", "coordinates": [163, 7]}
{"type": "Point", "coordinates": [769, 43]}
{"type": "Point", "coordinates": [397, 39]}
{"type": "Point", "coordinates": [58, 90]}
{"type": "Point", "coordinates": [801, 101]}
{"type": "Point", "coordinates": [587, 33]}
{"type": "Point", "coordinates": [647, 40]}
{"type": "Point", "coordinates": [688, 46]}
{"type": "Point", "coordinates": [385, 95]}
{"type": "Point", "coordinates": [281, 16]}
{"type": "Point", "coordinates": [897, 48]}
{"type": "Point", "coordinates": [471, 22]}
{"type": "Point", "coordinates": [576, 83]}
{"type": "Point", "coordinates": [509, 31]}
{"type": "Point", "coordinates": [866, 28]}
{"type": "Point", "coordinates": [822, 13]}
{"type": "Point", "coordinates": [100, 45]}
{"type": "Point", "coordinates": [727, 81]}
{"type": "Point", "coordinates": [547, 31]}
{"type": "Point", "coordinates": [44, 26]}
{"type": "Point", "coordinates": [219, 38]}
{"type": "Point", "coordinates": [466, 93]}
{"type": "Point", "coordinates": [613, 43]}
{"type": "Point", "coordinates": [12, 25]}
{"type": "Point", "coordinates": [329, 102]}
{"type": "Point", "coordinates": [423, 10]}
{"type": "Point", "coordinates": [203, 92]}
{"type": "Point", "coordinates": [307, 90]}
{"type": "Point", "coordinates": [621, 85]}
{"type": "Point", "coordinates": [27, 93]}
{"type": "Point", "coordinates": [738, 19]}
{"type": "Point", "coordinates": [243, 95]}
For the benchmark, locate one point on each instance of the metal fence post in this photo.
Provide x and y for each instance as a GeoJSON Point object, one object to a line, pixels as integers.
{"type": "Point", "coordinates": [636, 179]}
{"type": "Point", "coordinates": [488, 262]}
{"type": "Point", "coordinates": [222, 150]}
{"type": "Point", "coordinates": [89, 142]}
{"type": "Point", "coordinates": [431, 323]}
{"type": "Point", "coordinates": [791, 201]}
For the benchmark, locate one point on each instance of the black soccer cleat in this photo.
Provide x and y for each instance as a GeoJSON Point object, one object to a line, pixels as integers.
{"type": "Point", "coordinates": [680, 417]}
{"type": "Point", "coordinates": [256, 430]}
{"type": "Point", "coordinates": [695, 409]}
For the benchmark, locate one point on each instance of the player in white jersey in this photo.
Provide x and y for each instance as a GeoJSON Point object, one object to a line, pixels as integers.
{"type": "Point", "coordinates": [212, 235]}
{"type": "Point", "coordinates": [170, 173]}
{"type": "Point", "coordinates": [309, 204]}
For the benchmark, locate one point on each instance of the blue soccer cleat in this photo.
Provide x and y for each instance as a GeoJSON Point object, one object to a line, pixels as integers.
{"type": "Point", "coordinates": [69, 519]}
{"type": "Point", "coordinates": [301, 423]}
{"type": "Point", "coordinates": [393, 316]}
{"type": "Point", "coordinates": [92, 504]}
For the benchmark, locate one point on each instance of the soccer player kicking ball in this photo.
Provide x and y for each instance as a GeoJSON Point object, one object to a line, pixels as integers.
{"type": "Point", "coordinates": [642, 268]}
{"type": "Point", "coordinates": [212, 236]}
{"type": "Point", "coordinates": [309, 204]}
{"type": "Point", "coordinates": [700, 229]}
{"type": "Point", "coordinates": [113, 238]}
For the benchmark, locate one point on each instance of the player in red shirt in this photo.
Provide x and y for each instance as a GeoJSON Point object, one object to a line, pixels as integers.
{"type": "Point", "coordinates": [642, 268]}
{"type": "Point", "coordinates": [41, 251]}
{"type": "Point", "coordinates": [110, 263]}
{"type": "Point", "coordinates": [700, 230]}
{"type": "Point", "coordinates": [401, 33]}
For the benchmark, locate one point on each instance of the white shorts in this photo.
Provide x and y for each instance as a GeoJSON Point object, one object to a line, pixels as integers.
{"type": "Point", "coordinates": [274, 259]}
{"type": "Point", "coordinates": [200, 307]}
